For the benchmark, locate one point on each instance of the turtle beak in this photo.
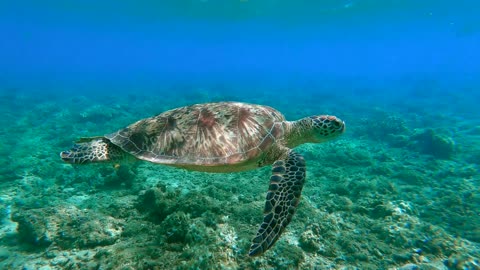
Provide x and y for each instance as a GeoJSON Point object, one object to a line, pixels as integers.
{"type": "Point", "coordinates": [343, 126]}
{"type": "Point", "coordinates": [338, 123]}
{"type": "Point", "coordinates": [65, 156]}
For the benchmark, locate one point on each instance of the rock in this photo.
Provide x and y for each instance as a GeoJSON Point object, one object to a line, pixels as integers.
{"type": "Point", "coordinates": [309, 241]}
{"type": "Point", "coordinates": [292, 255]}
{"type": "Point", "coordinates": [4, 209]}
{"type": "Point", "coordinates": [462, 262]}
{"type": "Point", "coordinates": [195, 204]}
{"type": "Point", "coordinates": [34, 226]}
{"type": "Point", "coordinates": [4, 254]}
{"type": "Point", "coordinates": [175, 227]}
{"type": "Point", "coordinates": [60, 261]}
{"type": "Point", "coordinates": [381, 211]}
{"type": "Point", "coordinates": [397, 140]}
{"type": "Point", "coordinates": [410, 176]}
{"type": "Point", "coordinates": [434, 144]}
{"type": "Point", "coordinates": [28, 267]}
{"type": "Point", "coordinates": [409, 266]}
{"type": "Point", "coordinates": [66, 227]}
{"type": "Point", "coordinates": [156, 203]}
{"type": "Point", "coordinates": [402, 257]}
{"type": "Point", "coordinates": [383, 125]}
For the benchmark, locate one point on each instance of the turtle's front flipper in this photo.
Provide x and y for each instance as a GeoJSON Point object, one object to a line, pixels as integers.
{"type": "Point", "coordinates": [286, 183]}
{"type": "Point", "coordinates": [93, 150]}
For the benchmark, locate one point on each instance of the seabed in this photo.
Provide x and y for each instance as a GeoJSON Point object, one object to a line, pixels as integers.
{"type": "Point", "coordinates": [398, 191]}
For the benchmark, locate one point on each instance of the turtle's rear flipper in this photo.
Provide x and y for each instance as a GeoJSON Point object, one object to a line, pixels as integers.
{"type": "Point", "coordinates": [96, 150]}
{"type": "Point", "coordinates": [283, 195]}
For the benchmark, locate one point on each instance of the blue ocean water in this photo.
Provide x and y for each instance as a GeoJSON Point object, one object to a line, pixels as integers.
{"type": "Point", "coordinates": [398, 190]}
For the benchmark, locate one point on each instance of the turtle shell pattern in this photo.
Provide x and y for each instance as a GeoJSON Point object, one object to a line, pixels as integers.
{"type": "Point", "coordinates": [203, 134]}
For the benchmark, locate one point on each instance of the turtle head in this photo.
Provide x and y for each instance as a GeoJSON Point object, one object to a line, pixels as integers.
{"type": "Point", "coordinates": [94, 149]}
{"type": "Point", "coordinates": [315, 129]}
{"type": "Point", "coordinates": [326, 127]}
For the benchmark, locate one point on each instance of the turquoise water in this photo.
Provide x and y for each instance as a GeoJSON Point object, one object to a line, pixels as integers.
{"type": "Point", "coordinates": [399, 190]}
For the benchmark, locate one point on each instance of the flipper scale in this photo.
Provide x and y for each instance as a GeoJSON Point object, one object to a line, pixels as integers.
{"type": "Point", "coordinates": [283, 196]}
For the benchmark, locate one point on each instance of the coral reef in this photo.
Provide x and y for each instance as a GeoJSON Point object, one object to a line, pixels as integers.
{"type": "Point", "coordinates": [429, 142]}
{"type": "Point", "coordinates": [66, 227]}
{"type": "Point", "coordinates": [382, 125]}
{"type": "Point", "coordinates": [394, 193]}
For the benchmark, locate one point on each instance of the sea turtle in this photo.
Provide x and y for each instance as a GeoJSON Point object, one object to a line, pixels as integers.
{"type": "Point", "coordinates": [222, 137]}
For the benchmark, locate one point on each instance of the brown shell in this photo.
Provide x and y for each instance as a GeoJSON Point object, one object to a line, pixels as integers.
{"type": "Point", "coordinates": [203, 134]}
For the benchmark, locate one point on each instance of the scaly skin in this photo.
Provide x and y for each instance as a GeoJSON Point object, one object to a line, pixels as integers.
{"type": "Point", "coordinates": [313, 129]}
{"type": "Point", "coordinates": [93, 150]}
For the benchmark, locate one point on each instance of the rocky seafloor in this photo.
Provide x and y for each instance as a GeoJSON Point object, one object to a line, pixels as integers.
{"type": "Point", "coordinates": [398, 191]}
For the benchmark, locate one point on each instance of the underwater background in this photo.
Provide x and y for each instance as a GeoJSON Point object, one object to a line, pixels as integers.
{"type": "Point", "coordinates": [399, 190]}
